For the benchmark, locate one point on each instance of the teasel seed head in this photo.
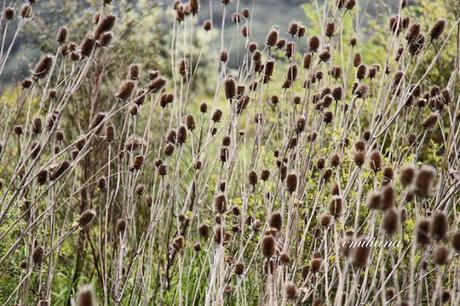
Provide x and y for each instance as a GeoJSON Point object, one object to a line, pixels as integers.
{"type": "Point", "coordinates": [203, 231]}
{"type": "Point", "coordinates": [26, 11]}
{"type": "Point", "coordinates": [293, 28]}
{"type": "Point", "coordinates": [388, 197]}
{"type": "Point", "coordinates": [291, 291]}
{"type": "Point", "coordinates": [325, 219]}
{"type": "Point", "coordinates": [230, 88]}
{"type": "Point", "coordinates": [315, 264]}
{"type": "Point", "coordinates": [43, 67]}
{"type": "Point", "coordinates": [290, 49]}
{"type": "Point", "coordinates": [216, 116]}
{"type": "Point", "coordinates": [406, 176]}
{"type": "Point", "coordinates": [437, 29]}
{"type": "Point", "coordinates": [325, 55]}
{"type": "Point", "coordinates": [422, 231]}
{"type": "Point", "coordinates": [207, 25]}
{"type": "Point", "coordinates": [87, 46]}
{"type": "Point", "coordinates": [388, 174]}
{"type": "Point", "coordinates": [455, 241]}
{"type": "Point", "coordinates": [330, 29]}
{"type": "Point", "coordinates": [424, 180]}
{"type": "Point", "coordinates": [360, 255]}
{"type": "Point", "coordinates": [238, 268]}
{"type": "Point", "coordinates": [252, 178]}
{"type": "Point", "coordinates": [441, 255]}
{"type": "Point", "coordinates": [361, 91]}
{"type": "Point", "coordinates": [104, 25]}
{"type": "Point", "coordinates": [8, 13]}
{"type": "Point", "coordinates": [268, 246]}
{"type": "Point", "coordinates": [272, 38]}
{"type": "Point", "coordinates": [62, 34]}
{"type": "Point", "coordinates": [439, 225]}
{"type": "Point", "coordinates": [42, 176]}
{"type": "Point", "coordinates": [86, 296]}
{"type": "Point", "coordinates": [194, 6]}
{"type": "Point", "coordinates": [220, 203]}
{"type": "Point", "coordinates": [37, 254]}
{"type": "Point", "coordinates": [86, 218]}
{"type": "Point", "coordinates": [336, 206]}
{"type": "Point", "coordinates": [276, 221]}
{"type": "Point", "coordinates": [374, 200]}
{"type": "Point", "coordinates": [391, 221]}
{"type": "Point", "coordinates": [375, 161]}
{"type": "Point", "coordinates": [350, 4]}
{"type": "Point", "coordinates": [430, 122]}
{"type": "Point", "coordinates": [361, 72]}
{"type": "Point", "coordinates": [59, 170]}
{"type": "Point", "coordinates": [291, 182]}
{"type": "Point", "coordinates": [314, 44]}
{"type": "Point", "coordinates": [280, 44]}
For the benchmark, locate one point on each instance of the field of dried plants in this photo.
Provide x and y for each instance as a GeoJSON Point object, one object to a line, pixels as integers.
{"type": "Point", "coordinates": [306, 174]}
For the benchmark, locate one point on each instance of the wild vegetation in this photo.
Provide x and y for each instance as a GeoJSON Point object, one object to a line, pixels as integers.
{"type": "Point", "coordinates": [138, 167]}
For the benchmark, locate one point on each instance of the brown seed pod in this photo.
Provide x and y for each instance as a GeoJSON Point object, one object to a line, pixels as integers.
{"type": "Point", "coordinates": [194, 6]}
{"type": "Point", "coordinates": [276, 221]}
{"type": "Point", "coordinates": [374, 200]}
{"type": "Point", "coordinates": [207, 25]}
{"type": "Point", "coordinates": [203, 231]}
{"type": "Point", "coordinates": [350, 4]}
{"type": "Point", "coordinates": [455, 241]}
{"type": "Point", "coordinates": [424, 180]}
{"type": "Point", "coordinates": [87, 46]}
{"type": "Point", "coordinates": [42, 176]}
{"type": "Point", "coordinates": [105, 24]}
{"type": "Point", "coordinates": [43, 67]}
{"type": "Point", "coordinates": [441, 255]}
{"type": "Point", "coordinates": [86, 217]}
{"type": "Point", "coordinates": [26, 11]}
{"type": "Point", "coordinates": [238, 268]}
{"type": "Point", "coordinates": [86, 296]}
{"type": "Point", "coordinates": [8, 13]}
{"type": "Point", "coordinates": [291, 182]}
{"type": "Point", "coordinates": [359, 157]}
{"type": "Point", "coordinates": [375, 161]}
{"type": "Point", "coordinates": [252, 178]}
{"type": "Point", "coordinates": [291, 291]}
{"type": "Point", "coordinates": [230, 88]}
{"type": "Point", "coordinates": [315, 265]}
{"type": "Point", "coordinates": [61, 35]}
{"type": "Point", "coordinates": [268, 246]}
{"type": "Point", "coordinates": [18, 130]}
{"type": "Point", "coordinates": [422, 231]}
{"type": "Point", "coordinates": [272, 38]}
{"type": "Point", "coordinates": [121, 226]}
{"type": "Point", "coordinates": [293, 28]}
{"type": "Point", "coordinates": [59, 170]}
{"type": "Point", "coordinates": [439, 225]}
{"type": "Point", "coordinates": [406, 175]}
{"type": "Point", "coordinates": [37, 255]}
{"type": "Point", "coordinates": [157, 84]}
{"type": "Point", "coordinates": [388, 197]}
{"type": "Point", "coordinates": [390, 221]}
{"type": "Point", "coordinates": [360, 254]}
{"type": "Point", "coordinates": [330, 29]}
{"type": "Point", "coordinates": [314, 44]}
{"type": "Point", "coordinates": [336, 206]}
{"type": "Point", "coordinates": [430, 122]}
{"type": "Point", "coordinates": [437, 29]}
{"type": "Point", "coordinates": [220, 203]}
{"type": "Point", "coordinates": [325, 219]}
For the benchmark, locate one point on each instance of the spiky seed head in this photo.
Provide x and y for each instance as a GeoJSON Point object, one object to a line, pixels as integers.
{"type": "Point", "coordinates": [86, 217]}
{"type": "Point", "coordinates": [291, 291]}
{"type": "Point", "coordinates": [441, 255]}
{"type": "Point", "coordinates": [268, 246]}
